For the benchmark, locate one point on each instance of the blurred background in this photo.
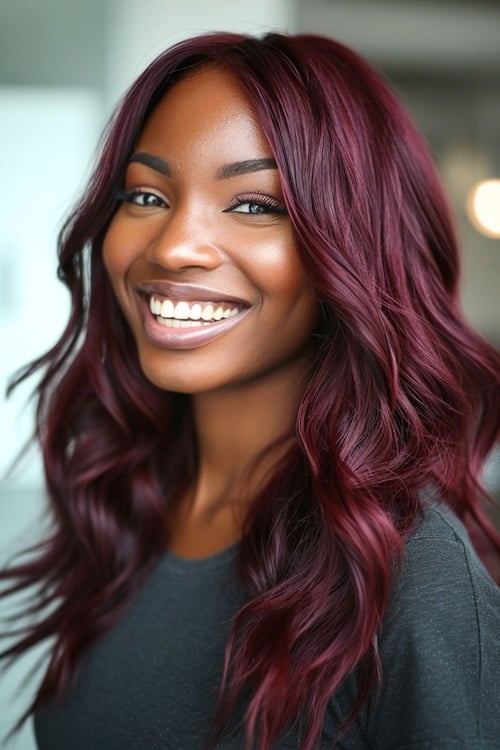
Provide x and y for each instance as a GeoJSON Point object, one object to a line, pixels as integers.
{"type": "Point", "coordinates": [63, 66]}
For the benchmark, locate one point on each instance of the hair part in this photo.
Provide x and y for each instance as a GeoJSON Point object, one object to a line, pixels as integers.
{"type": "Point", "coordinates": [404, 395]}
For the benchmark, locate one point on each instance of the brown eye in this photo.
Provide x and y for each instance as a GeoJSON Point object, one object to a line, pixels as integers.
{"type": "Point", "coordinates": [256, 205]}
{"type": "Point", "coordinates": [141, 198]}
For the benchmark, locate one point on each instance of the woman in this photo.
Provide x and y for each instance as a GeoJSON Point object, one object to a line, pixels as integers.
{"type": "Point", "coordinates": [263, 402]}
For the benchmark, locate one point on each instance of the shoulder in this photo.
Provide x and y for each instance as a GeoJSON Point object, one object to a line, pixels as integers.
{"type": "Point", "coordinates": [440, 644]}
{"type": "Point", "coordinates": [439, 647]}
{"type": "Point", "coordinates": [440, 570]}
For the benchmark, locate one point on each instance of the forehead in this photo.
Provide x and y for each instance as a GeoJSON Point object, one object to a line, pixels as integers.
{"type": "Point", "coordinates": [206, 112]}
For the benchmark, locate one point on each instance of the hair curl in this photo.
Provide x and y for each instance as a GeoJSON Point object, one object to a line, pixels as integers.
{"type": "Point", "coordinates": [404, 395]}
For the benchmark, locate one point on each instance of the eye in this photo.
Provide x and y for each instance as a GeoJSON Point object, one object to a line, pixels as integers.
{"type": "Point", "coordinates": [142, 198]}
{"type": "Point", "coordinates": [250, 207]}
{"type": "Point", "coordinates": [255, 204]}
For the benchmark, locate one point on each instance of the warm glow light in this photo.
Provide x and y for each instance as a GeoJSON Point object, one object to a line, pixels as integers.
{"type": "Point", "coordinates": [483, 205]}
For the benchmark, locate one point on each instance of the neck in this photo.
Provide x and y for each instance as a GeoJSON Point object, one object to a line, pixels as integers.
{"type": "Point", "coordinates": [242, 432]}
{"type": "Point", "coordinates": [235, 427]}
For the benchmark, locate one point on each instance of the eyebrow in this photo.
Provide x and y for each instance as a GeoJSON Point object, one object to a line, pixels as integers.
{"type": "Point", "coordinates": [154, 162]}
{"type": "Point", "coordinates": [233, 169]}
{"type": "Point", "coordinates": [244, 167]}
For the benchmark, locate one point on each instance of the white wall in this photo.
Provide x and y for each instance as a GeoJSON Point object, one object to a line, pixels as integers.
{"type": "Point", "coordinates": [140, 31]}
{"type": "Point", "coordinates": [48, 137]}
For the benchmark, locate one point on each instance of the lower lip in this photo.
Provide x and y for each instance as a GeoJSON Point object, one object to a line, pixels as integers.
{"type": "Point", "coordinates": [185, 338]}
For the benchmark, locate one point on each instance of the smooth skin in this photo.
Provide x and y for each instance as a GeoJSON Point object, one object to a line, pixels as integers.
{"type": "Point", "coordinates": [186, 218]}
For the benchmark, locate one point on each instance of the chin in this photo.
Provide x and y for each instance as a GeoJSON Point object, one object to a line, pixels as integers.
{"type": "Point", "coordinates": [175, 378]}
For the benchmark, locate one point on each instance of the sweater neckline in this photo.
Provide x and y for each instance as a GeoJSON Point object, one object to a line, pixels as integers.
{"type": "Point", "coordinates": [194, 565]}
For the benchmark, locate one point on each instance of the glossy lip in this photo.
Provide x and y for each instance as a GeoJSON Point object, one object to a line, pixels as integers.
{"type": "Point", "coordinates": [187, 292]}
{"type": "Point", "coordinates": [186, 338]}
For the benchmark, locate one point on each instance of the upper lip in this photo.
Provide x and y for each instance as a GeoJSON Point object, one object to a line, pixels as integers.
{"type": "Point", "coordinates": [187, 292]}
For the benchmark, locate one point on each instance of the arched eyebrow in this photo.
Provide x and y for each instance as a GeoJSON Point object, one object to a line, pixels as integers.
{"type": "Point", "coordinates": [236, 168]}
{"type": "Point", "coordinates": [153, 162]}
{"type": "Point", "coordinates": [233, 169]}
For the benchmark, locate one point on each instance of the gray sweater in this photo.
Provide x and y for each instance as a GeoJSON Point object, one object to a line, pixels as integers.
{"type": "Point", "coordinates": [151, 682]}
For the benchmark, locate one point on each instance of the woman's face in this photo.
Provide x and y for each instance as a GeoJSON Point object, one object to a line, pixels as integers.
{"type": "Point", "coordinates": [200, 253]}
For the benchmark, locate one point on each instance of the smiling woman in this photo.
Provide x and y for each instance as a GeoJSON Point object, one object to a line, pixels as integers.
{"type": "Point", "coordinates": [262, 425]}
{"type": "Point", "coordinates": [202, 233]}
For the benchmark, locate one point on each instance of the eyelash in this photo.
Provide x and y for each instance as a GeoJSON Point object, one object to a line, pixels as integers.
{"type": "Point", "coordinates": [271, 205]}
{"type": "Point", "coordinates": [128, 196]}
{"type": "Point", "coordinates": [257, 199]}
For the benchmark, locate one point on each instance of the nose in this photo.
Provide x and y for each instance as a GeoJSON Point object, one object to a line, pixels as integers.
{"type": "Point", "coordinates": [185, 241]}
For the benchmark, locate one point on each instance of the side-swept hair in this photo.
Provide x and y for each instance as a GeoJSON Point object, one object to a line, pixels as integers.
{"type": "Point", "coordinates": [404, 396]}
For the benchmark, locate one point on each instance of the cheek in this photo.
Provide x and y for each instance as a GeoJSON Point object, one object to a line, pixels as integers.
{"type": "Point", "coordinates": [281, 276]}
{"type": "Point", "coordinates": [116, 261]}
{"type": "Point", "coordinates": [118, 252]}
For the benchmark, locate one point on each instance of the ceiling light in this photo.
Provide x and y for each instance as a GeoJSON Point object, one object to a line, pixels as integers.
{"type": "Point", "coordinates": [483, 206]}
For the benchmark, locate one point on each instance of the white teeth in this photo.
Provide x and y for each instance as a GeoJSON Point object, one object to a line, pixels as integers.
{"type": "Point", "coordinates": [167, 309]}
{"type": "Point", "coordinates": [182, 312]}
{"type": "Point", "coordinates": [173, 323]}
{"type": "Point", "coordinates": [207, 313]}
{"type": "Point", "coordinates": [195, 312]}
{"type": "Point", "coordinates": [155, 306]}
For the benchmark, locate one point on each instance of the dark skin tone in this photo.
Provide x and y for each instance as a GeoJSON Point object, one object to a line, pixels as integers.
{"type": "Point", "coordinates": [203, 224]}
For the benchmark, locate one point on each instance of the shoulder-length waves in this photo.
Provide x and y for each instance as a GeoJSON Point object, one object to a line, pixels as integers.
{"type": "Point", "coordinates": [404, 396]}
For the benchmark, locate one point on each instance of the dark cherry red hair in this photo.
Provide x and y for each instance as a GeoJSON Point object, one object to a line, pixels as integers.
{"type": "Point", "coordinates": [404, 398]}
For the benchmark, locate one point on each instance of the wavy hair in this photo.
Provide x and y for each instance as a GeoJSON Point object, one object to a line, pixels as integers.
{"type": "Point", "coordinates": [404, 396]}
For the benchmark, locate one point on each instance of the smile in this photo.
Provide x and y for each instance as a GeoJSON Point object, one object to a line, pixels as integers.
{"type": "Point", "coordinates": [187, 317]}
{"type": "Point", "coordinates": [173, 313]}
